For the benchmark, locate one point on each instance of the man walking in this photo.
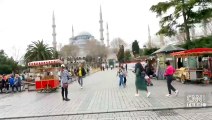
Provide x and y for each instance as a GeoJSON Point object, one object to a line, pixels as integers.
{"type": "Point", "coordinates": [81, 73]}
{"type": "Point", "coordinates": [64, 82]}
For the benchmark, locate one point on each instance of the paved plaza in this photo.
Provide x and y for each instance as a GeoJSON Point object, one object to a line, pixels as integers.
{"type": "Point", "coordinates": [191, 114]}
{"type": "Point", "coordinates": [102, 98]}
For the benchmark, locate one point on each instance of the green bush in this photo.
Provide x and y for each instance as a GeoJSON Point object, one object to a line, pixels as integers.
{"type": "Point", "coordinates": [204, 42]}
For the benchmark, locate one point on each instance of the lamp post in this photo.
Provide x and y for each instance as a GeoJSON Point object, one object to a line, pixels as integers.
{"type": "Point", "coordinates": [144, 48]}
{"type": "Point", "coordinates": [98, 61]}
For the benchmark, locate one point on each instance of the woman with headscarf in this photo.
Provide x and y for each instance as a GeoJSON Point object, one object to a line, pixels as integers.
{"type": "Point", "coordinates": [140, 80]}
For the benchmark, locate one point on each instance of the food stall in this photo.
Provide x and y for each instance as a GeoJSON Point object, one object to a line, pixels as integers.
{"type": "Point", "coordinates": [163, 54]}
{"type": "Point", "coordinates": [194, 64]}
{"type": "Point", "coordinates": [45, 74]}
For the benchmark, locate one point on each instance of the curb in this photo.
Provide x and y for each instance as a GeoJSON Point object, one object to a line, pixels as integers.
{"type": "Point", "coordinates": [103, 112]}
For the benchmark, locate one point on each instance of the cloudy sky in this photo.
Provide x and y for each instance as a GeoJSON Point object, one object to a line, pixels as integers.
{"type": "Point", "coordinates": [24, 21]}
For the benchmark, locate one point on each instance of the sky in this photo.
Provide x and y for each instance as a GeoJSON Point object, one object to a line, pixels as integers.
{"type": "Point", "coordinates": [24, 21]}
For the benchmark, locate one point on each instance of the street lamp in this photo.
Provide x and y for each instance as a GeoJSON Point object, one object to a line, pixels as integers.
{"type": "Point", "coordinates": [144, 48]}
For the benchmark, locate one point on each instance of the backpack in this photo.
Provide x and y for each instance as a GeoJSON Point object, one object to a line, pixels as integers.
{"type": "Point", "coordinates": [23, 77]}
{"type": "Point", "coordinates": [83, 72]}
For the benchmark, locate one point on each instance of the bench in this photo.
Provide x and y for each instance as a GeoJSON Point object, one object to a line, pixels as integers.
{"type": "Point", "coordinates": [29, 85]}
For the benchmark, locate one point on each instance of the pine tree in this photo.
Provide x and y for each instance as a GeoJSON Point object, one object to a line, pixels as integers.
{"type": "Point", "coordinates": [135, 48]}
{"type": "Point", "coordinates": [120, 54]}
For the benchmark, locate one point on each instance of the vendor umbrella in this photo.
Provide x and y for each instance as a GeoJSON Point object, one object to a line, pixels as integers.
{"type": "Point", "coordinates": [168, 49]}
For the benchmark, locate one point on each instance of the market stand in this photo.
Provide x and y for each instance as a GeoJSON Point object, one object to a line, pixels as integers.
{"type": "Point", "coordinates": [45, 74]}
{"type": "Point", "coordinates": [196, 65]}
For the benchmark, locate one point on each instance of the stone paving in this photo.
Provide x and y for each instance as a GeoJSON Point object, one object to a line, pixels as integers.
{"type": "Point", "coordinates": [101, 95]}
{"type": "Point", "coordinates": [191, 114]}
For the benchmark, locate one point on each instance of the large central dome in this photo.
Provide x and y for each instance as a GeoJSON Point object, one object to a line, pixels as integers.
{"type": "Point", "coordinates": [84, 33]}
{"type": "Point", "coordinates": [83, 36]}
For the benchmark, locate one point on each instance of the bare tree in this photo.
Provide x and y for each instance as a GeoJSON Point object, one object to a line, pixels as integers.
{"type": "Point", "coordinates": [16, 54]}
{"type": "Point", "coordinates": [69, 50]}
{"type": "Point", "coordinates": [115, 43]}
{"type": "Point", "coordinates": [209, 26]}
{"type": "Point", "coordinates": [95, 49]}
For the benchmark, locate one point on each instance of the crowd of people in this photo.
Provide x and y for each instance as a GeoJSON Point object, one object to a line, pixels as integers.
{"type": "Point", "coordinates": [11, 83]}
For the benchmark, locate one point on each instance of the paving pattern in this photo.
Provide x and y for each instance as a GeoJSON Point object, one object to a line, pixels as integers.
{"type": "Point", "coordinates": [191, 114]}
{"type": "Point", "coordinates": [101, 96]}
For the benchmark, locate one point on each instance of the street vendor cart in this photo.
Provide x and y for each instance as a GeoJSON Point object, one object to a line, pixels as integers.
{"type": "Point", "coordinates": [194, 64]}
{"type": "Point", "coordinates": [45, 74]}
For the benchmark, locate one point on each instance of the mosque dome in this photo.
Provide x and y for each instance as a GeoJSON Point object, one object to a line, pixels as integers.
{"type": "Point", "coordinates": [84, 33]}
{"type": "Point", "coordinates": [84, 36]}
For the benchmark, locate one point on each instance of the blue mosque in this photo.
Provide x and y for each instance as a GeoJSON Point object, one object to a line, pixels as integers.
{"type": "Point", "coordinates": [81, 39]}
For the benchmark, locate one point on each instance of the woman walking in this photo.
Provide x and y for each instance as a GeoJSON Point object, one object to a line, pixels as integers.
{"type": "Point", "coordinates": [64, 74]}
{"type": "Point", "coordinates": [120, 73]}
{"type": "Point", "coordinates": [169, 77]}
{"type": "Point", "coordinates": [140, 80]}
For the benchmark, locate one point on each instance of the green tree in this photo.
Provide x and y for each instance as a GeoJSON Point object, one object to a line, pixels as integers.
{"type": "Point", "coordinates": [55, 54]}
{"type": "Point", "coordinates": [39, 51]}
{"type": "Point", "coordinates": [135, 48]}
{"type": "Point", "coordinates": [191, 11]}
{"type": "Point", "coordinates": [120, 54]}
{"type": "Point", "coordinates": [127, 55]}
{"type": "Point", "coordinates": [7, 65]}
{"type": "Point", "coordinates": [149, 51]}
{"type": "Point", "coordinates": [141, 52]}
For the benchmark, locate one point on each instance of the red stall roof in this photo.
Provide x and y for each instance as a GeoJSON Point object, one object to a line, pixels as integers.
{"type": "Point", "coordinates": [45, 62]}
{"type": "Point", "coordinates": [193, 52]}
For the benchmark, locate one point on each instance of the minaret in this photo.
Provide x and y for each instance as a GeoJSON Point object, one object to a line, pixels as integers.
{"type": "Point", "coordinates": [149, 38]}
{"type": "Point", "coordinates": [72, 31]}
{"type": "Point", "coordinates": [101, 27]}
{"type": "Point", "coordinates": [162, 43]}
{"type": "Point", "coordinates": [108, 45]}
{"type": "Point", "coordinates": [54, 33]}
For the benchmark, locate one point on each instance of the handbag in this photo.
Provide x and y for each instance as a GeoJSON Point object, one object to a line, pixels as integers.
{"type": "Point", "coordinates": [146, 77]}
{"type": "Point", "coordinates": [65, 85]}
